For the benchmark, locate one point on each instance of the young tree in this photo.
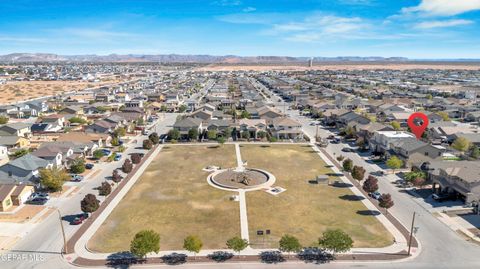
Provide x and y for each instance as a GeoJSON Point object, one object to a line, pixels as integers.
{"type": "Point", "coordinates": [347, 165]}
{"type": "Point", "coordinates": [358, 173]}
{"type": "Point", "coordinates": [371, 184]}
{"type": "Point", "coordinates": [289, 243]}
{"type": "Point", "coordinates": [211, 134]}
{"type": "Point", "coordinates": [237, 244]}
{"type": "Point", "coordinates": [412, 175]}
{"type": "Point", "coordinates": [386, 202]}
{"type": "Point", "coordinates": [116, 177]}
{"type": "Point", "coordinates": [154, 138]}
{"type": "Point", "coordinates": [395, 125]}
{"type": "Point", "coordinates": [78, 120]}
{"type": "Point", "coordinates": [394, 163]}
{"type": "Point", "coordinates": [98, 154]}
{"type": "Point", "coordinates": [245, 115]}
{"type": "Point", "coordinates": [53, 179]}
{"type": "Point", "coordinates": [461, 144]}
{"type": "Point", "coordinates": [127, 166]}
{"type": "Point", "coordinates": [193, 244]}
{"type": "Point", "coordinates": [245, 135]}
{"type": "Point", "coordinates": [193, 134]}
{"type": "Point", "coordinates": [144, 242]}
{"type": "Point", "coordinates": [104, 189]}
{"type": "Point", "coordinates": [174, 134]}
{"type": "Point", "coordinates": [221, 140]}
{"type": "Point", "coordinates": [89, 203]}
{"type": "Point", "coordinates": [3, 119]}
{"type": "Point", "coordinates": [119, 132]}
{"type": "Point", "coordinates": [261, 134]}
{"type": "Point", "coordinates": [147, 144]}
{"type": "Point", "coordinates": [337, 241]}
{"type": "Point", "coordinates": [77, 166]}
{"type": "Point", "coordinates": [136, 158]}
{"type": "Point", "coordinates": [182, 108]}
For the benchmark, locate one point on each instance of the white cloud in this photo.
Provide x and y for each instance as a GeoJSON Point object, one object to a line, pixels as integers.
{"type": "Point", "coordinates": [443, 7]}
{"type": "Point", "coordinates": [91, 33]}
{"type": "Point", "coordinates": [442, 24]}
{"type": "Point", "coordinates": [249, 9]}
{"type": "Point", "coordinates": [15, 39]}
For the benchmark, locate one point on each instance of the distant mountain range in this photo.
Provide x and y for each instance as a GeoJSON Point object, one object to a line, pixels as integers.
{"type": "Point", "coordinates": [177, 58]}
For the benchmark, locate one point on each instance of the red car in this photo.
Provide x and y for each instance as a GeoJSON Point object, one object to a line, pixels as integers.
{"type": "Point", "coordinates": [79, 219]}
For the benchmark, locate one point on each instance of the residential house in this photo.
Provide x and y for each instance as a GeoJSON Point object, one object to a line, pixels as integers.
{"type": "Point", "coordinates": [286, 128]}
{"type": "Point", "coordinates": [14, 195]}
{"type": "Point", "coordinates": [253, 126]}
{"type": "Point", "coordinates": [413, 151]}
{"type": "Point", "coordinates": [23, 170]}
{"type": "Point", "coordinates": [186, 124]}
{"type": "Point", "coordinates": [3, 155]}
{"type": "Point", "coordinates": [16, 129]}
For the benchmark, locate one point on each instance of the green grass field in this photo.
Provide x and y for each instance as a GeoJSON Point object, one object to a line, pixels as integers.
{"type": "Point", "coordinates": [173, 198]}
{"type": "Point", "coordinates": [304, 210]}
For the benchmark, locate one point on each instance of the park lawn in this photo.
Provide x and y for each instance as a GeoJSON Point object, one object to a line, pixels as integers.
{"type": "Point", "coordinates": [173, 198]}
{"type": "Point", "coordinates": [305, 210]}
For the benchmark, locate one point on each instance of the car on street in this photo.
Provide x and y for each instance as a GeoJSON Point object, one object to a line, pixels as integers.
{"type": "Point", "coordinates": [146, 132]}
{"type": "Point", "coordinates": [336, 140]}
{"type": "Point", "coordinates": [378, 173]}
{"type": "Point", "coordinates": [79, 219]}
{"type": "Point", "coordinates": [89, 165]}
{"type": "Point", "coordinates": [348, 149]}
{"type": "Point", "coordinates": [76, 178]}
{"type": "Point", "coordinates": [375, 195]}
{"type": "Point", "coordinates": [106, 152]}
{"type": "Point", "coordinates": [331, 137]}
{"type": "Point", "coordinates": [37, 201]}
{"type": "Point", "coordinates": [117, 157]}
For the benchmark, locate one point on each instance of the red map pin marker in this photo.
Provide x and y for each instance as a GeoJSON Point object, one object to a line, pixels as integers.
{"type": "Point", "coordinates": [418, 129]}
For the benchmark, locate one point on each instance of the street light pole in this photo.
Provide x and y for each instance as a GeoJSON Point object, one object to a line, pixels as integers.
{"type": "Point", "coordinates": [411, 235]}
{"type": "Point", "coordinates": [63, 231]}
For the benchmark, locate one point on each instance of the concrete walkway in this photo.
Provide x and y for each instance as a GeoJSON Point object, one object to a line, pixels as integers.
{"type": "Point", "coordinates": [242, 199]}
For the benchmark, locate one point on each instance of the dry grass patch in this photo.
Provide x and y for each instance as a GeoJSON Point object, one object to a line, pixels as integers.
{"type": "Point", "coordinates": [305, 210]}
{"type": "Point", "coordinates": [173, 198]}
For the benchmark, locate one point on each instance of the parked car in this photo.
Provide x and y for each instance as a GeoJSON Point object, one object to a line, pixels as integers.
{"type": "Point", "coordinates": [37, 201]}
{"type": "Point", "coordinates": [42, 195]}
{"type": "Point", "coordinates": [117, 157]}
{"type": "Point", "coordinates": [442, 197]}
{"type": "Point", "coordinates": [375, 195]}
{"type": "Point", "coordinates": [79, 219]}
{"type": "Point", "coordinates": [378, 173]}
{"type": "Point", "coordinates": [146, 132]}
{"type": "Point", "coordinates": [348, 149]}
{"type": "Point", "coordinates": [331, 137]}
{"type": "Point", "coordinates": [89, 165]}
{"type": "Point", "coordinates": [76, 178]}
{"type": "Point", "coordinates": [336, 140]}
{"type": "Point", "coordinates": [106, 152]}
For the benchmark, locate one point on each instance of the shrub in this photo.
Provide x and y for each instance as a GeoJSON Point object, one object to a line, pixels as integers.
{"type": "Point", "coordinates": [154, 138]}
{"type": "Point", "coordinates": [358, 173]}
{"type": "Point", "coordinates": [98, 154]}
{"type": "Point", "coordinates": [77, 166]}
{"type": "Point", "coordinates": [174, 134]}
{"type": "Point", "coordinates": [89, 203]}
{"type": "Point", "coordinates": [347, 165]}
{"type": "Point", "coordinates": [116, 177]}
{"type": "Point", "coordinates": [340, 158]}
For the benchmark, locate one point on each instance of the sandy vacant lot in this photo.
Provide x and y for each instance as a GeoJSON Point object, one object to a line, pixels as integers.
{"type": "Point", "coordinates": [173, 198]}
{"type": "Point", "coordinates": [305, 210]}
{"type": "Point", "coordinates": [342, 66]}
{"type": "Point", "coordinates": [14, 91]}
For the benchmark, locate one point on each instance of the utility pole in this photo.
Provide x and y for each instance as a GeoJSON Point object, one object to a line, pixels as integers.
{"type": "Point", "coordinates": [63, 232]}
{"type": "Point", "coordinates": [411, 235]}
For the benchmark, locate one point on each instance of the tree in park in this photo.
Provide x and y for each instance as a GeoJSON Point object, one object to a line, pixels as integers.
{"type": "Point", "coordinates": [147, 144]}
{"type": "Point", "coordinates": [237, 244]}
{"type": "Point", "coordinates": [221, 140]}
{"type": "Point", "coordinates": [89, 203]}
{"type": "Point", "coordinates": [136, 158]}
{"type": "Point", "coordinates": [394, 163]}
{"type": "Point", "coordinates": [337, 241]}
{"type": "Point", "coordinates": [193, 134]}
{"type": "Point", "coordinates": [395, 125]}
{"type": "Point", "coordinates": [98, 154]}
{"type": "Point", "coordinates": [127, 166]}
{"type": "Point", "coordinates": [212, 135]}
{"type": "Point", "coordinates": [358, 173]}
{"type": "Point", "coordinates": [193, 244]}
{"type": "Point", "coordinates": [154, 138]}
{"type": "Point", "coordinates": [77, 166]}
{"type": "Point", "coordinates": [347, 165]}
{"type": "Point", "coordinates": [144, 242]}
{"type": "Point", "coordinates": [289, 243]}
{"type": "Point", "coordinates": [371, 184]}
{"type": "Point", "coordinates": [104, 189]}
{"type": "Point", "coordinates": [461, 144]}
{"type": "Point", "coordinates": [53, 179]}
{"type": "Point", "coordinates": [174, 134]}
{"type": "Point", "coordinates": [116, 177]}
{"type": "Point", "coordinates": [386, 201]}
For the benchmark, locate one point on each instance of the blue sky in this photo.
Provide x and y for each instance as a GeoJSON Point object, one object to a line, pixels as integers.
{"type": "Point", "coordinates": [410, 28]}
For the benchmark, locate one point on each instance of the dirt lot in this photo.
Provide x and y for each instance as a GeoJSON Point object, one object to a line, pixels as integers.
{"type": "Point", "coordinates": [305, 210]}
{"type": "Point", "coordinates": [14, 91]}
{"type": "Point", "coordinates": [24, 214]}
{"type": "Point", "coordinates": [173, 198]}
